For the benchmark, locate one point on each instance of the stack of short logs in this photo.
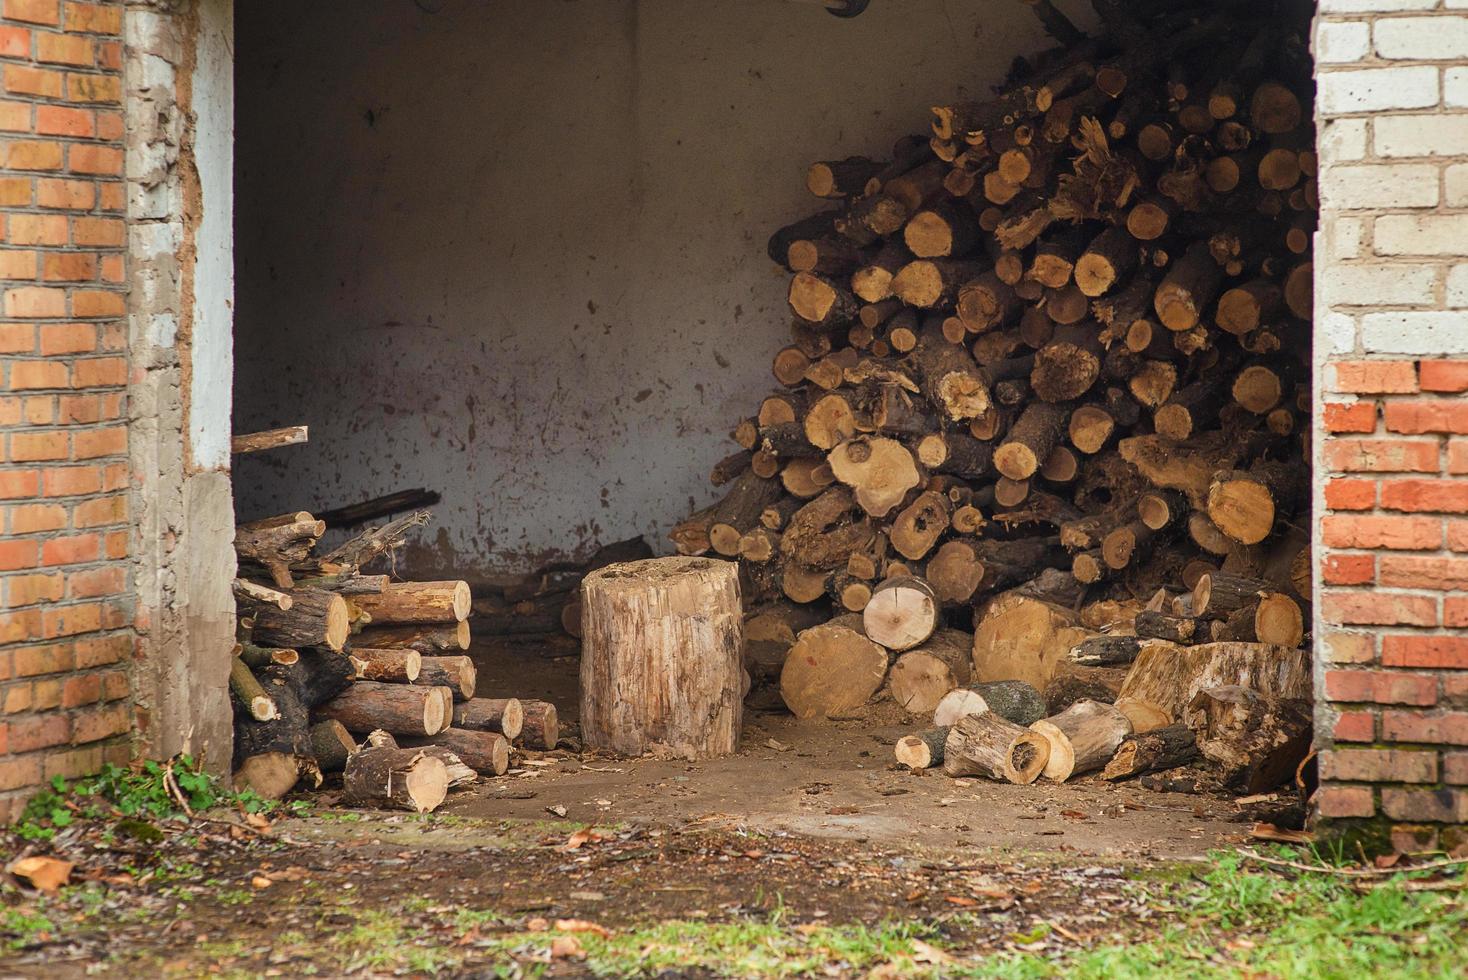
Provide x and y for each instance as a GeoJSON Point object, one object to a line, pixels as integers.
{"type": "Point", "coordinates": [329, 656]}
{"type": "Point", "coordinates": [1048, 381]}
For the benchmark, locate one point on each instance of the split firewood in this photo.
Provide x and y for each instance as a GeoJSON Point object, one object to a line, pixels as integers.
{"type": "Point", "coordinates": [254, 442]}
{"type": "Point", "coordinates": [1105, 651]}
{"type": "Point", "coordinates": [1025, 639]}
{"type": "Point", "coordinates": [252, 592]}
{"type": "Point", "coordinates": [987, 745]}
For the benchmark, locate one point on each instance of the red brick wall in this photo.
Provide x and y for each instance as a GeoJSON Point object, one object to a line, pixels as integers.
{"type": "Point", "coordinates": [1394, 602]}
{"type": "Point", "coordinates": [65, 619]}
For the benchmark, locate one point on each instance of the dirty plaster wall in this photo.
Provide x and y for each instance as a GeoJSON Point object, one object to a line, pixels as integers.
{"type": "Point", "coordinates": [515, 252]}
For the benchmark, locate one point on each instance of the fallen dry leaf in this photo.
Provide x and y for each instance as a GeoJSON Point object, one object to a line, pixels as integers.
{"type": "Point", "coordinates": [260, 881]}
{"type": "Point", "coordinates": [537, 924]}
{"type": "Point", "coordinates": [565, 948]}
{"type": "Point", "coordinates": [924, 953]}
{"type": "Point", "coordinates": [582, 925]}
{"type": "Point", "coordinates": [959, 900]}
{"type": "Point", "coordinates": [257, 820]}
{"type": "Point", "coordinates": [45, 874]}
{"type": "Point", "coordinates": [1268, 831]}
{"type": "Point", "coordinates": [556, 811]}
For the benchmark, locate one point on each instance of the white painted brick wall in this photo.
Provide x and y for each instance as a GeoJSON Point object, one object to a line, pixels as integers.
{"type": "Point", "coordinates": [1421, 38]}
{"type": "Point", "coordinates": [1391, 267]}
{"type": "Point", "coordinates": [1422, 135]}
{"type": "Point", "coordinates": [1414, 333]}
{"type": "Point", "coordinates": [1379, 185]}
{"type": "Point", "coordinates": [1376, 284]}
{"type": "Point", "coordinates": [1377, 89]}
{"type": "Point", "coordinates": [1342, 42]}
{"type": "Point", "coordinates": [1421, 234]}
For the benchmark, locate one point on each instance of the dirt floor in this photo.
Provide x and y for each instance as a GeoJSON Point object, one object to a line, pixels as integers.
{"type": "Point", "coordinates": [810, 831]}
{"type": "Point", "coordinates": [836, 780]}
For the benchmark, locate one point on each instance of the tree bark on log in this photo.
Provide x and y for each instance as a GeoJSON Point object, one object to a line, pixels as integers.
{"type": "Point", "coordinates": [418, 602]}
{"type": "Point", "coordinates": [406, 779]}
{"type": "Point", "coordinates": [487, 753]}
{"type": "Point", "coordinates": [316, 618]}
{"type": "Point", "coordinates": [1165, 748]}
{"type": "Point", "coordinates": [987, 745]}
{"type": "Point", "coordinates": [331, 745]}
{"type": "Point", "coordinates": [427, 640]}
{"type": "Point", "coordinates": [921, 750]}
{"type": "Point", "coordinates": [392, 666]}
{"type": "Point", "coordinates": [506, 716]}
{"type": "Point", "coordinates": [455, 673]}
{"type": "Point", "coordinates": [661, 658]}
{"type": "Point", "coordinates": [1082, 738]}
{"type": "Point", "coordinates": [397, 708]}
{"type": "Point", "coordinates": [542, 729]}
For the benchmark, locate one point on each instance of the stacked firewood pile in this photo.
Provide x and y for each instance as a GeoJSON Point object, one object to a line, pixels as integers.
{"type": "Point", "coordinates": [1048, 382]}
{"type": "Point", "coordinates": [329, 655]}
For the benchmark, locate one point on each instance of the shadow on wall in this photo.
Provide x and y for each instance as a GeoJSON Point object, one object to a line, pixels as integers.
{"type": "Point", "coordinates": [515, 252]}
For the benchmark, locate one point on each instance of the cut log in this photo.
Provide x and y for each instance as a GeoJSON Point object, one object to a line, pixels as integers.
{"type": "Point", "coordinates": [276, 543]}
{"type": "Point", "coordinates": [881, 471]}
{"type": "Point", "coordinates": [1244, 504]}
{"type": "Point", "coordinates": [987, 745]}
{"type": "Point", "coordinates": [1024, 639]}
{"type": "Point", "coordinates": [661, 660]}
{"type": "Point", "coordinates": [1105, 651]}
{"type": "Point", "coordinates": [921, 750]}
{"type": "Point", "coordinates": [505, 716]}
{"type": "Point", "coordinates": [1030, 440]}
{"type": "Point", "coordinates": [254, 442]}
{"type": "Point", "coordinates": [1071, 687]}
{"type": "Point", "coordinates": [397, 708]}
{"type": "Point", "coordinates": [1166, 626]}
{"type": "Point", "coordinates": [1013, 701]}
{"type": "Point", "coordinates": [394, 666]}
{"type": "Point", "coordinates": [427, 640]}
{"type": "Point", "coordinates": [1082, 738]}
{"type": "Point", "coordinates": [542, 728]}
{"type": "Point", "coordinates": [1188, 287]}
{"type": "Point", "coordinates": [902, 613]}
{"type": "Point", "coordinates": [487, 753]}
{"type": "Point", "coordinates": [257, 657]}
{"type": "Point", "coordinates": [331, 745]}
{"type": "Point", "coordinates": [252, 592]}
{"type": "Point", "coordinates": [315, 618]}
{"type": "Point", "coordinates": [1165, 748]}
{"type": "Point", "coordinates": [455, 673]}
{"type": "Point", "coordinates": [923, 675]}
{"type": "Point", "coordinates": [1168, 676]}
{"type": "Point", "coordinates": [955, 571]}
{"type": "Point", "coordinates": [407, 779]}
{"type": "Point", "coordinates": [832, 670]}
{"type": "Point", "coordinates": [1256, 740]}
{"type": "Point", "coordinates": [918, 526]}
{"type": "Point", "coordinates": [251, 695]}
{"type": "Point", "coordinates": [952, 381]}
{"type": "Point", "coordinates": [418, 602]}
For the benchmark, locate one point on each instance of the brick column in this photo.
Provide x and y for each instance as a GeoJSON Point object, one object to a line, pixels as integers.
{"type": "Point", "coordinates": [1392, 368]}
{"type": "Point", "coordinates": [65, 621]}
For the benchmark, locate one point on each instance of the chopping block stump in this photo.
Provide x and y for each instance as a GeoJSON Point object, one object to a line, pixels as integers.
{"type": "Point", "coordinates": [662, 658]}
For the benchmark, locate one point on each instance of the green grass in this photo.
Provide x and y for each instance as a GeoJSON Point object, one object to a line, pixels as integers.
{"type": "Point", "coordinates": [1231, 921]}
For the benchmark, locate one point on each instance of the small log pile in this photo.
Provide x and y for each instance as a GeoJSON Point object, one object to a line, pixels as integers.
{"type": "Point", "coordinates": [329, 654]}
{"type": "Point", "coordinates": [1048, 382]}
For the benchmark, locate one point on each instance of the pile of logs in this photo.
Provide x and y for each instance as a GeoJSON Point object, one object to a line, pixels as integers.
{"type": "Point", "coordinates": [329, 655]}
{"type": "Point", "coordinates": [1048, 382]}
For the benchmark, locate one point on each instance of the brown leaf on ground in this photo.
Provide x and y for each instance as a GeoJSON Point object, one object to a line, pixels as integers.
{"type": "Point", "coordinates": [565, 948]}
{"type": "Point", "coordinates": [582, 925]}
{"type": "Point", "coordinates": [46, 874]}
